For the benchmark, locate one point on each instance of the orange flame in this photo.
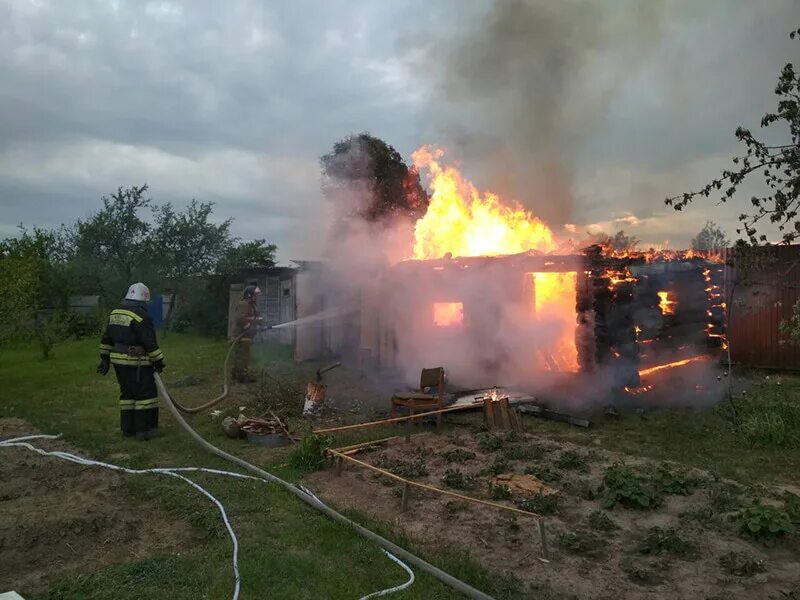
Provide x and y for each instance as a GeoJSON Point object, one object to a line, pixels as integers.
{"type": "Point", "coordinates": [463, 222]}
{"type": "Point", "coordinates": [555, 301]}
{"type": "Point", "coordinates": [672, 365]}
{"type": "Point", "coordinates": [666, 305]}
{"type": "Point", "coordinates": [448, 314]}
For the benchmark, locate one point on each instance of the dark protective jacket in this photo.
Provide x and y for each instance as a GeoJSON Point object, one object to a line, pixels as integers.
{"type": "Point", "coordinates": [245, 315]}
{"type": "Point", "coordinates": [130, 338]}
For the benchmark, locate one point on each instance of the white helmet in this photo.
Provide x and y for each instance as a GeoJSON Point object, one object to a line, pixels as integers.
{"type": "Point", "coordinates": [138, 291]}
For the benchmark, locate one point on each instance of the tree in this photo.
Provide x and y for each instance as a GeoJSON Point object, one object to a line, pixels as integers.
{"type": "Point", "coordinates": [186, 244]}
{"type": "Point", "coordinates": [619, 242]}
{"type": "Point", "coordinates": [778, 166]}
{"type": "Point", "coordinates": [111, 247]}
{"type": "Point", "coordinates": [711, 237]}
{"type": "Point", "coordinates": [245, 255]}
{"type": "Point", "coordinates": [363, 163]}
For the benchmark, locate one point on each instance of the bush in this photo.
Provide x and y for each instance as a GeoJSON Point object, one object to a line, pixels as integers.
{"type": "Point", "coordinates": [458, 455]}
{"type": "Point", "coordinates": [741, 565]}
{"type": "Point", "coordinates": [764, 523]}
{"type": "Point", "coordinates": [600, 521]}
{"type": "Point", "coordinates": [571, 460]}
{"type": "Point", "coordinates": [541, 504]}
{"type": "Point", "coordinates": [584, 543]}
{"type": "Point", "coordinates": [665, 541]}
{"type": "Point", "coordinates": [310, 454]}
{"type": "Point", "coordinates": [638, 572]}
{"type": "Point", "coordinates": [624, 487]}
{"type": "Point", "coordinates": [522, 452]}
{"type": "Point", "coordinates": [499, 465]}
{"type": "Point", "coordinates": [410, 469]}
{"type": "Point", "coordinates": [490, 442]}
{"type": "Point", "coordinates": [725, 497]}
{"type": "Point", "coordinates": [543, 473]}
{"type": "Point", "coordinates": [498, 491]}
{"type": "Point", "coordinates": [667, 481]}
{"type": "Point", "coordinates": [791, 504]}
{"type": "Point", "coordinates": [456, 479]}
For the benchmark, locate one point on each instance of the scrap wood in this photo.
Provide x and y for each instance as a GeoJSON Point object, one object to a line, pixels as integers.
{"type": "Point", "coordinates": [282, 426]}
{"type": "Point", "coordinates": [524, 483]}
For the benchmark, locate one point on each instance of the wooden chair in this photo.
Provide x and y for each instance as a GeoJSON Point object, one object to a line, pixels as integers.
{"type": "Point", "coordinates": [423, 400]}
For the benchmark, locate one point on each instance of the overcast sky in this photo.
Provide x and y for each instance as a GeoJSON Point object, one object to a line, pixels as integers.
{"type": "Point", "coordinates": [233, 102]}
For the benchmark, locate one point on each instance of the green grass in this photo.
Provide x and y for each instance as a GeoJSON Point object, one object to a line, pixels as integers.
{"type": "Point", "coordinates": [287, 548]}
{"type": "Point", "coordinates": [705, 438]}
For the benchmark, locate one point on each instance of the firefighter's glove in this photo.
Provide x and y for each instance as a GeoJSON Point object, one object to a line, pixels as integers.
{"type": "Point", "coordinates": [158, 366]}
{"type": "Point", "coordinates": [102, 368]}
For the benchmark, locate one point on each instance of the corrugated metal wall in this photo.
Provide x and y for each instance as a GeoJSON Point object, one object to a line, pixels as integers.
{"type": "Point", "coordinates": [760, 301]}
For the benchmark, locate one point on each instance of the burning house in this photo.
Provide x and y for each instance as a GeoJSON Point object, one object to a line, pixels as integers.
{"type": "Point", "coordinates": [544, 321]}
{"type": "Point", "coordinates": [489, 293]}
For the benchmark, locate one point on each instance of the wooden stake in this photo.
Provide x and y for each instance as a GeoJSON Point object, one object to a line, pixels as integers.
{"type": "Point", "coordinates": [339, 462]}
{"type": "Point", "coordinates": [505, 418]}
{"type": "Point", "coordinates": [404, 498]}
{"type": "Point", "coordinates": [543, 538]}
{"type": "Point", "coordinates": [488, 413]}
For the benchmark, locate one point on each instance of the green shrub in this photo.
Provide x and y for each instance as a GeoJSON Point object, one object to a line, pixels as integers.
{"type": "Point", "coordinates": [791, 504]}
{"type": "Point", "coordinates": [667, 481]}
{"type": "Point", "coordinates": [543, 473]}
{"type": "Point", "coordinates": [660, 541]}
{"type": "Point", "coordinates": [763, 522]}
{"type": "Point", "coordinates": [490, 442]}
{"type": "Point", "coordinates": [585, 543]}
{"type": "Point", "coordinates": [541, 504]}
{"type": "Point", "coordinates": [742, 565]}
{"type": "Point", "coordinates": [413, 468]}
{"type": "Point", "coordinates": [572, 461]}
{"type": "Point", "coordinates": [310, 453]}
{"type": "Point", "coordinates": [724, 496]}
{"type": "Point", "coordinates": [638, 572]}
{"type": "Point", "coordinates": [624, 487]}
{"type": "Point", "coordinates": [456, 479]}
{"type": "Point", "coordinates": [582, 489]}
{"type": "Point", "coordinates": [458, 455]}
{"type": "Point", "coordinates": [499, 465]}
{"type": "Point", "coordinates": [498, 491]}
{"type": "Point", "coordinates": [600, 521]}
{"type": "Point", "coordinates": [522, 452]}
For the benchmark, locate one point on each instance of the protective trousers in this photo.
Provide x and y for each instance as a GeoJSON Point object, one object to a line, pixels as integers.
{"type": "Point", "coordinates": [241, 359]}
{"type": "Point", "coordinates": [138, 399]}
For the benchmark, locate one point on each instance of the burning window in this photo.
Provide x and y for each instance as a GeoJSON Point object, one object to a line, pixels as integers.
{"type": "Point", "coordinates": [448, 314]}
{"type": "Point", "coordinates": [554, 302]}
{"type": "Point", "coordinates": [666, 305]}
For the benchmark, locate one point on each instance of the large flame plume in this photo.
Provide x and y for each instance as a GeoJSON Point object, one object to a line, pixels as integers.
{"type": "Point", "coordinates": [462, 221]}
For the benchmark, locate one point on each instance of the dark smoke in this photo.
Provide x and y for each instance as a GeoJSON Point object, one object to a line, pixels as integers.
{"type": "Point", "coordinates": [519, 90]}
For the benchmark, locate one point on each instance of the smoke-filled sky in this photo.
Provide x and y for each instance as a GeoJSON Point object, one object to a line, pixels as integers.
{"type": "Point", "coordinates": [589, 113]}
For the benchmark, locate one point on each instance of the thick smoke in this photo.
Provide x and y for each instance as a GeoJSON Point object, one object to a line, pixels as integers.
{"type": "Point", "coordinates": [518, 91]}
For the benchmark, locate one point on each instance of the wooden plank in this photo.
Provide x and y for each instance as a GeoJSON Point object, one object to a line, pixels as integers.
{"type": "Point", "coordinates": [365, 444]}
{"type": "Point", "coordinates": [395, 419]}
{"type": "Point", "coordinates": [430, 488]}
{"type": "Point", "coordinates": [488, 413]}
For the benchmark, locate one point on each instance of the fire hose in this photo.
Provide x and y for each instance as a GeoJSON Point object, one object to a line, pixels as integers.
{"type": "Point", "coordinates": [24, 442]}
{"type": "Point", "coordinates": [313, 501]}
{"type": "Point", "coordinates": [192, 410]}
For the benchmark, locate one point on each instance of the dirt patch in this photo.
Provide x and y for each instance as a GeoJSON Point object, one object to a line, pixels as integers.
{"type": "Point", "coordinates": [597, 551]}
{"type": "Point", "coordinates": [58, 518]}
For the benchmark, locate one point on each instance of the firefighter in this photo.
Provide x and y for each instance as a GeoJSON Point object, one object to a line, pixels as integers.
{"type": "Point", "coordinates": [129, 343]}
{"type": "Point", "coordinates": [246, 322]}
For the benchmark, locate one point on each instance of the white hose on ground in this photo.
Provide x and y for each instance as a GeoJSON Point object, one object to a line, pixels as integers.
{"type": "Point", "coordinates": [398, 588]}
{"type": "Point", "coordinates": [316, 503]}
{"type": "Point", "coordinates": [22, 442]}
